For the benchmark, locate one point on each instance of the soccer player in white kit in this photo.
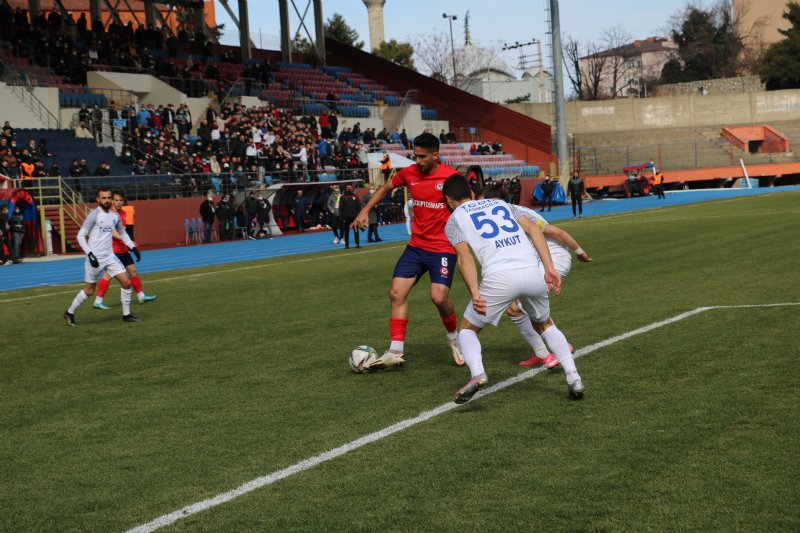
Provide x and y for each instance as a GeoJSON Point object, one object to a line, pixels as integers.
{"type": "Point", "coordinates": [408, 213]}
{"type": "Point", "coordinates": [560, 243]}
{"type": "Point", "coordinates": [506, 244]}
{"type": "Point", "coordinates": [95, 239]}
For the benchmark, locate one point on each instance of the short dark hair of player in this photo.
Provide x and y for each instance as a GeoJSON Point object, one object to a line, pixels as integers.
{"type": "Point", "coordinates": [495, 190]}
{"type": "Point", "coordinates": [118, 193]}
{"type": "Point", "coordinates": [457, 188]}
{"type": "Point", "coordinates": [427, 141]}
{"type": "Point", "coordinates": [102, 189]}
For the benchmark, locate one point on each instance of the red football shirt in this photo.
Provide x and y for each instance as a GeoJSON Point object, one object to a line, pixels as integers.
{"type": "Point", "coordinates": [430, 211]}
{"type": "Point", "coordinates": [117, 245]}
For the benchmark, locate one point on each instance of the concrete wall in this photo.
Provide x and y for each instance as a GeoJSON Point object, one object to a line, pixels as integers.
{"type": "Point", "coordinates": [745, 84]}
{"type": "Point", "coordinates": [632, 114]}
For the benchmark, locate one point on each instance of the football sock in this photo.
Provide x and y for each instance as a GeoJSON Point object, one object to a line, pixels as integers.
{"type": "Point", "coordinates": [102, 289]}
{"type": "Point", "coordinates": [558, 344]}
{"type": "Point", "coordinates": [450, 323]}
{"type": "Point", "coordinates": [397, 331]}
{"type": "Point", "coordinates": [136, 283]}
{"type": "Point", "coordinates": [77, 301]}
{"type": "Point", "coordinates": [471, 350]}
{"type": "Point", "coordinates": [125, 298]}
{"type": "Point", "coordinates": [523, 323]}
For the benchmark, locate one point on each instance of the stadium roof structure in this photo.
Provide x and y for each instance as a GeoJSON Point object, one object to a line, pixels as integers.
{"type": "Point", "coordinates": [76, 5]}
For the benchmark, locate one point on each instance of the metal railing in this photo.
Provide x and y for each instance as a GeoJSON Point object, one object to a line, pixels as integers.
{"type": "Point", "coordinates": [23, 89]}
{"type": "Point", "coordinates": [604, 160]}
{"type": "Point", "coordinates": [163, 186]}
{"type": "Point", "coordinates": [397, 114]}
{"type": "Point", "coordinates": [55, 192]}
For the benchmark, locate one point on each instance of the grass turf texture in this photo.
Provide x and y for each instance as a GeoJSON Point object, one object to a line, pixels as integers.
{"type": "Point", "coordinates": [243, 372]}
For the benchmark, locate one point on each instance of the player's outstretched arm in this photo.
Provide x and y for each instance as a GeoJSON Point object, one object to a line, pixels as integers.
{"type": "Point", "coordinates": [551, 277]}
{"type": "Point", "coordinates": [469, 272]}
{"type": "Point", "coordinates": [362, 220]}
{"type": "Point", "coordinates": [567, 240]}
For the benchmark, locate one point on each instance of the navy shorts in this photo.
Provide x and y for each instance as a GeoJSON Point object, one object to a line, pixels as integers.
{"type": "Point", "coordinates": [126, 259]}
{"type": "Point", "coordinates": [415, 262]}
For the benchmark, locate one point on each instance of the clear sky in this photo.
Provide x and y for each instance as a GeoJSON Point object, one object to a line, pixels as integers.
{"type": "Point", "coordinates": [492, 22]}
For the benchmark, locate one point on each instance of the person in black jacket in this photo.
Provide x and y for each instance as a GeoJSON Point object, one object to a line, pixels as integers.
{"type": "Point", "coordinates": [223, 219]}
{"type": "Point", "coordinates": [263, 209]}
{"type": "Point", "coordinates": [575, 189]}
{"type": "Point", "coordinates": [207, 213]}
{"type": "Point", "coordinates": [547, 193]}
{"type": "Point", "coordinates": [17, 229]}
{"type": "Point", "coordinates": [299, 210]}
{"type": "Point", "coordinates": [349, 207]}
{"type": "Point", "coordinates": [4, 231]}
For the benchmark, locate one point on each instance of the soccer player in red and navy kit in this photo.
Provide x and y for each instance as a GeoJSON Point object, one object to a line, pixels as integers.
{"type": "Point", "coordinates": [427, 251]}
{"type": "Point", "coordinates": [121, 251]}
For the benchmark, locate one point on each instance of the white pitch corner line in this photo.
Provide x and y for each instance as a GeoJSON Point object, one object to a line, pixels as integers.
{"type": "Point", "coordinates": [311, 462]}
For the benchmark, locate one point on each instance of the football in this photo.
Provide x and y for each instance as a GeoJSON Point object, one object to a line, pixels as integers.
{"type": "Point", "coordinates": [361, 357]}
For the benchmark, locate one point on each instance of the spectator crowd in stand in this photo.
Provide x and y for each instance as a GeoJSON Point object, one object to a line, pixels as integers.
{"type": "Point", "coordinates": [70, 47]}
{"type": "Point", "coordinates": [236, 145]}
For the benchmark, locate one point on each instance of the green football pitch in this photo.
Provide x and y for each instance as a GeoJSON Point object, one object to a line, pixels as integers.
{"type": "Point", "coordinates": [240, 372]}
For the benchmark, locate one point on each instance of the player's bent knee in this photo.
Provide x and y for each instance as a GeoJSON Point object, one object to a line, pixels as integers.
{"type": "Point", "coordinates": [541, 327]}
{"type": "Point", "coordinates": [397, 296]}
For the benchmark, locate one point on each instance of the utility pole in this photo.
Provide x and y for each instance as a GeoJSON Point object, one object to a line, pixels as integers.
{"type": "Point", "coordinates": [523, 61]}
{"type": "Point", "coordinates": [450, 19]}
{"type": "Point", "coordinates": [558, 82]}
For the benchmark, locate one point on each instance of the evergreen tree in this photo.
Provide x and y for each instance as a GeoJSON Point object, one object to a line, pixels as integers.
{"type": "Point", "coordinates": [337, 28]}
{"type": "Point", "coordinates": [396, 52]}
{"type": "Point", "coordinates": [781, 66]}
{"type": "Point", "coordinates": [708, 46]}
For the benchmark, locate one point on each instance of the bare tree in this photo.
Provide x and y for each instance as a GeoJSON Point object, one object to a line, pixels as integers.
{"type": "Point", "coordinates": [752, 36]}
{"type": "Point", "coordinates": [618, 55]}
{"type": "Point", "coordinates": [433, 56]}
{"type": "Point", "coordinates": [593, 66]}
{"type": "Point", "coordinates": [572, 64]}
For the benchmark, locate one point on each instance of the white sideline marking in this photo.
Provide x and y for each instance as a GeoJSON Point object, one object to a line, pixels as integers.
{"type": "Point", "coordinates": [311, 462]}
{"type": "Point", "coordinates": [221, 271]}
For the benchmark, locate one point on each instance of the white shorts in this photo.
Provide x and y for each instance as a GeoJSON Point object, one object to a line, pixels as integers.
{"type": "Point", "coordinates": [562, 260]}
{"type": "Point", "coordinates": [502, 288]}
{"type": "Point", "coordinates": [112, 265]}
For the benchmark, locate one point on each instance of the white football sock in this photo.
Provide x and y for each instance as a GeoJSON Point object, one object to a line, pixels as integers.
{"type": "Point", "coordinates": [452, 335]}
{"type": "Point", "coordinates": [140, 296]}
{"type": "Point", "coordinates": [98, 299]}
{"type": "Point", "coordinates": [397, 346]}
{"type": "Point", "coordinates": [558, 343]}
{"type": "Point", "coordinates": [525, 327]}
{"type": "Point", "coordinates": [77, 301]}
{"type": "Point", "coordinates": [125, 298]}
{"type": "Point", "coordinates": [471, 350]}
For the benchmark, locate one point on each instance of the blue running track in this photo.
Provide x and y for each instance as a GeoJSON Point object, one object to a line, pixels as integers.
{"type": "Point", "coordinates": [43, 273]}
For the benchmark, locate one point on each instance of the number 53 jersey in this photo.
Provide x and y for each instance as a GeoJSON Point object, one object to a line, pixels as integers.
{"type": "Point", "coordinates": [491, 229]}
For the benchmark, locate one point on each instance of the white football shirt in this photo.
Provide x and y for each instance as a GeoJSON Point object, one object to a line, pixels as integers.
{"type": "Point", "coordinates": [491, 229]}
{"type": "Point", "coordinates": [536, 218]}
{"type": "Point", "coordinates": [98, 227]}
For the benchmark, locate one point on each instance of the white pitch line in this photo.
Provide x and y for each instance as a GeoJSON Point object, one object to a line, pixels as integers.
{"type": "Point", "coordinates": [311, 462]}
{"type": "Point", "coordinates": [221, 271]}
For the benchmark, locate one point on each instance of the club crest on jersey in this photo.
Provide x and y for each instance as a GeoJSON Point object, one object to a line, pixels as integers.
{"type": "Point", "coordinates": [439, 186]}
